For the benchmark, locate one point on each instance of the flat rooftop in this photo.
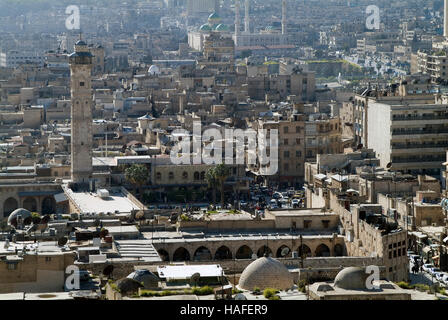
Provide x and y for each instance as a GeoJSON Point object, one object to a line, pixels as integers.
{"type": "Point", "coordinates": [186, 271]}
{"type": "Point", "coordinates": [91, 202]}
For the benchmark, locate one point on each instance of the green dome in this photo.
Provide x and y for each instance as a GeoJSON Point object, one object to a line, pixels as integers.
{"type": "Point", "coordinates": [214, 17]}
{"type": "Point", "coordinates": [221, 27]}
{"type": "Point", "coordinates": [205, 27]}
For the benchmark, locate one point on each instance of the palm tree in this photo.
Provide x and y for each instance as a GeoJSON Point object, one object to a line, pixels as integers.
{"type": "Point", "coordinates": [222, 172]}
{"type": "Point", "coordinates": [137, 174]}
{"type": "Point", "coordinates": [211, 180]}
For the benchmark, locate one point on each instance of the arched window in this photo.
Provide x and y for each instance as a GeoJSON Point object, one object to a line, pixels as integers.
{"type": "Point", "coordinates": [196, 175]}
{"type": "Point", "coordinates": [158, 176]}
{"type": "Point", "coordinates": [185, 175]}
{"type": "Point", "coordinates": [171, 175]}
{"type": "Point", "coordinates": [203, 175]}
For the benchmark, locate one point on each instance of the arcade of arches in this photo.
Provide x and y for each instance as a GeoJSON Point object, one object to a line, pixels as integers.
{"type": "Point", "coordinates": [208, 251]}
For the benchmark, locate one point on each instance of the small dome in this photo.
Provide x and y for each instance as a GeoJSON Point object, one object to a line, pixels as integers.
{"type": "Point", "coordinates": [128, 286]}
{"type": "Point", "coordinates": [81, 43]}
{"type": "Point", "coordinates": [351, 278]}
{"type": "Point", "coordinates": [266, 272]}
{"type": "Point", "coordinates": [149, 279]}
{"type": "Point", "coordinates": [12, 219]}
{"type": "Point", "coordinates": [214, 16]}
{"type": "Point", "coordinates": [221, 27]}
{"type": "Point", "coordinates": [154, 70]}
{"type": "Point", "coordinates": [205, 27]}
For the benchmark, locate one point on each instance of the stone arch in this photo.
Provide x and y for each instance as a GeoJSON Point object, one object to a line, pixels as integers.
{"type": "Point", "coordinates": [9, 206]}
{"type": "Point", "coordinates": [244, 252]}
{"type": "Point", "coordinates": [264, 249]}
{"type": "Point", "coordinates": [338, 250]}
{"type": "Point", "coordinates": [322, 250]}
{"type": "Point", "coordinates": [48, 205]}
{"type": "Point", "coordinates": [163, 255]}
{"type": "Point", "coordinates": [181, 254]}
{"type": "Point", "coordinates": [223, 253]}
{"type": "Point", "coordinates": [196, 176]}
{"type": "Point", "coordinates": [306, 251]}
{"type": "Point", "coordinates": [279, 251]}
{"type": "Point", "coordinates": [202, 254]}
{"type": "Point", "coordinates": [30, 204]}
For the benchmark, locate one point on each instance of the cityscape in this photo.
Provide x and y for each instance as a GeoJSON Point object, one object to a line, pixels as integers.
{"type": "Point", "coordinates": [204, 150]}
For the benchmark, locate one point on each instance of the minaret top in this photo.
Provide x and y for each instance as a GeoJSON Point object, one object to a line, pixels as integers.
{"type": "Point", "coordinates": [82, 54]}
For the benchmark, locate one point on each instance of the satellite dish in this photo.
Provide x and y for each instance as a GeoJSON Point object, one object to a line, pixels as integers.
{"type": "Point", "coordinates": [254, 256]}
{"type": "Point", "coordinates": [45, 219]}
{"type": "Point", "coordinates": [285, 252]}
{"type": "Point", "coordinates": [360, 146]}
{"type": "Point", "coordinates": [62, 241]}
{"type": "Point", "coordinates": [108, 270]}
{"type": "Point", "coordinates": [389, 165]}
{"type": "Point", "coordinates": [195, 278]}
{"type": "Point", "coordinates": [240, 297]}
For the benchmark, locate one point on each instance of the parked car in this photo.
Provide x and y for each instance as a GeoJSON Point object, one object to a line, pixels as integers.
{"type": "Point", "coordinates": [285, 195]}
{"type": "Point", "coordinates": [427, 267]}
{"type": "Point", "coordinates": [433, 271]}
{"type": "Point", "coordinates": [277, 195]}
{"type": "Point", "coordinates": [439, 275]}
{"type": "Point", "coordinates": [295, 202]}
{"type": "Point", "coordinates": [243, 203]}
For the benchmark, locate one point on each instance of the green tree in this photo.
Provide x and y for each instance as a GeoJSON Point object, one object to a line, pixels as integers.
{"type": "Point", "coordinates": [222, 172]}
{"type": "Point", "coordinates": [211, 180]}
{"type": "Point", "coordinates": [137, 174]}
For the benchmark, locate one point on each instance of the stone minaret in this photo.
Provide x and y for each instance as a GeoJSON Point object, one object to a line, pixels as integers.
{"type": "Point", "coordinates": [237, 20]}
{"type": "Point", "coordinates": [247, 17]}
{"type": "Point", "coordinates": [445, 19]}
{"type": "Point", "coordinates": [81, 113]}
{"type": "Point", "coordinates": [284, 17]}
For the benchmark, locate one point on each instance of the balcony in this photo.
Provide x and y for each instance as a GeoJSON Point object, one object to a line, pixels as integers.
{"type": "Point", "coordinates": [419, 145]}
{"type": "Point", "coordinates": [400, 132]}
{"type": "Point", "coordinates": [419, 117]}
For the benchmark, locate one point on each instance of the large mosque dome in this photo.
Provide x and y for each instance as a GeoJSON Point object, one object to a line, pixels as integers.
{"type": "Point", "coordinates": [266, 272]}
{"type": "Point", "coordinates": [351, 278]}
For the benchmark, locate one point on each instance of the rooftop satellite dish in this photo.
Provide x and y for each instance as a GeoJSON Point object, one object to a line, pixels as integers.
{"type": "Point", "coordinates": [285, 252]}
{"type": "Point", "coordinates": [108, 270]}
{"type": "Point", "coordinates": [62, 241]}
{"type": "Point", "coordinates": [360, 146]}
{"type": "Point", "coordinates": [195, 278]}
{"type": "Point", "coordinates": [389, 165]}
{"type": "Point", "coordinates": [45, 219]}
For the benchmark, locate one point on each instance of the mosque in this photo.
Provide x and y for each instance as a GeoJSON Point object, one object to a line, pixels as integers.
{"type": "Point", "coordinates": [268, 39]}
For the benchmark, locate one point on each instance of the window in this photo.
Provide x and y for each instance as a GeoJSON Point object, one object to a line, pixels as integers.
{"type": "Point", "coordinates": [285, 129]}
{"type": "Point", "coordinates": [297, 129]}
{"type": "Point", "coordinates": [12, 266]}
{"type": "Point", "coordinates": [390, 254]}
{"type": "Point", "coordinates": [285, 142]}
{"type": "Point", "coordinates": [326, 223]}
{"type": "Point", "coordinates": [47, 259]}
{"type": "Point", "coordinates": [298, 154]}
{"type": "Point", "coordinates": [403, 251]}
{"type": "Point", "coordinates": [286, 154]}
{"type": "Point", "coordinates": [185, 175]}
{"type": "Point", "coordinates": [171, 175]}
{"type": "Point", "coordinates": [395, 253]}
{"type": "Point", "coordinates": [158, 176]}
{"type": "Point", "coordinates": [307, 224]}
{"type": "Point", "coordinates": [81, 84]}
{"type": "Point", "coordinates": [286, 166]}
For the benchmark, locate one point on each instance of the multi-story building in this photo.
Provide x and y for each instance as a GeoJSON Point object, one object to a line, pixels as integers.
{"type": "Point", "coordinates": [411, 138]}
{"type": "Point", "coordinates": [323, 136]}
{"type": "Point", "coordinates": [291, 148]}
{"type": "Point", "coordinates": [433, 63]}
{"type": "Point", "coordinates": [13, 58]}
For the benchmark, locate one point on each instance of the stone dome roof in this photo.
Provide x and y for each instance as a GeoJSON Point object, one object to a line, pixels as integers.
{"type": "Point", "coordinates": [266, 272]}
{"type": "Point", "coordinates": [12, 219]}
{"type": "Point", "coordinates": [154, 70]}
{"type": "Point", "coordinates": [146, 277]}
{"type": "Point", "coordinates": [351, 278]}
{"type": "Point", "coordinates": [205, 27]}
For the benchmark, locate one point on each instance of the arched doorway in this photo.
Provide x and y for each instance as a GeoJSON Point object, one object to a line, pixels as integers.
{"type": "Point", "coordinates": [338, 250]}
{"type": "Point", "coordinates": [181, 254]}
{"type": "Point", "coordinates": [223, 253]}
{"type": "Point", "coordinates": [306, 251]}
{"type": "Point", "coordinates": [9, 206]}
{"type": "Point", "coordinates": [283, 252]}
{"type": "Point", "coordinates": [202, 254]}
{"type": "Point", "coordinates": [244, 252]}
{"type": "Point", "coordinates": [163, 255]}
{"type": "Point", "coordinates": [322, 251]}
{"type": "Point", "coordinates": [264, 250]}
{"type": "Point", "coordinates": [30, 204]}
{"type": "Point", "coordinates": [48, 205]}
